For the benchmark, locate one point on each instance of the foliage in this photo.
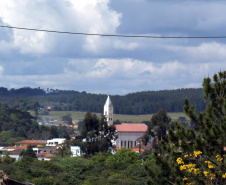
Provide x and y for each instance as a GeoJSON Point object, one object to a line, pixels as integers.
{"type": "Point", "coordinates": [79, 170]}
{"type": "Point", "coordinates": [96, 135]}
{"type": "Point", "coordinates": [17, 125]}
{"type": "Point", "coordinates": [207, 137]}
{"type": "Point", "coordinates": [201, 169]}
{"type": "Point", "coordinates": [146, 102]}
{"type": "Point", "coordinates": [123, 157]}
{"type": "Point", "coordinates": [28, 155]}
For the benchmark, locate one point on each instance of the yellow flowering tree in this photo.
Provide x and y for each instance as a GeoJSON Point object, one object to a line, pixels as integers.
{"type": "Point", "coordinates": [196, 155]}
{"type": "Point", "coordinates": [200, 169]}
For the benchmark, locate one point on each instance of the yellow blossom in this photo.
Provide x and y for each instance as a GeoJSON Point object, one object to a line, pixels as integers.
{"type": "Point", "coordinates": [196, 153]}
{"type": "Point", "coordinates": [183, 167]}
{"type": "Point", "coordinates": [224, 176]}
{"type": "Point", "coordinates": [207, 162]}
{"type": "Point", "coordinates": [186, 155]}
{"type": "Point", "coordinates": [212, 176]}
{"type": "Point", "coordinates": [179, 161]}
{"type": "Point", "coordinates": [185, 178]}
{"type": "Point", "coordinates": [205, 173]}
{"type": "Point", "coordinates": [210, 166]}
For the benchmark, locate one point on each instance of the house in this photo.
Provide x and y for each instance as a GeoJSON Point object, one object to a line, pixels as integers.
{"type": "Point", "coordinates": [39, 150]}
{"type": "Point", "coordinates": [76, 151]}
{"type": "Point", "coordinates": [44, 156]}
{"type": "Point", "coordinates": [30, 142]}
{"type": "Point", "coordinates": [55, 142]}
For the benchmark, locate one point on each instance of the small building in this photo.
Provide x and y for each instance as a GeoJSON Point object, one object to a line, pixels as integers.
{"type": "Point", "coordinates": [76, 151]}
{"type": "Point", "coordinates": [30, 142]}
{"type": "Point", "coordinates": [44, 156]}
{"type": "Point", "coordinates": [55, 141]}
{"type": "Point", "coordinates": [39, 150]}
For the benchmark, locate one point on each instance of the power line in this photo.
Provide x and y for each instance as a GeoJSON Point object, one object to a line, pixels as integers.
{"type": "Point", "coordinates": [115, 35]}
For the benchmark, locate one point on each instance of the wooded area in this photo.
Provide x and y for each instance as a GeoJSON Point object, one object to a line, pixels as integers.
{"type": "Point", "coordinates": [147, 102]}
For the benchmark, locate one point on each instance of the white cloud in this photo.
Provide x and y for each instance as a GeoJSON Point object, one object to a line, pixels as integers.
{"type": "Point", "coordinates": [125, 45]}
{"type": "Point", "coordinates": [212, 50]}
{"type": "Point", "coordinates": [1, 70]}
{"type": "Point", "coordinates": [89, 16]}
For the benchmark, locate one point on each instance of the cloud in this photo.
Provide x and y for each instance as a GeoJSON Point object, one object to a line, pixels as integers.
{"type": "Point", "coordinates": [89, 16]}
{"type": "Point", "coordinates": [1, 70]}
{"type": "Point", "coordinates": [204, 51]}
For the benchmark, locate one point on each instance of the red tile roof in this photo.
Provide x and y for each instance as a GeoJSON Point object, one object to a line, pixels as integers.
{"type": "Point", "coordinates": [131, 127]}
{"type": "Point", "coordinates": [22, 147]}
{"type": "Point", "coordinates": [45, 154]}
{"type": "Point", "coordinates": [30, 142]}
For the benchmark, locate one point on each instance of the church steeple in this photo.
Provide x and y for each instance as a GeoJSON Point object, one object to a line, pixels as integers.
{"type": "Point", "coordinates": [108, 111]}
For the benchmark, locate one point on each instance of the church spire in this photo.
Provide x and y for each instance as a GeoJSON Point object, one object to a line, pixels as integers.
{"type": "Point", "coordinates": [108, 111]}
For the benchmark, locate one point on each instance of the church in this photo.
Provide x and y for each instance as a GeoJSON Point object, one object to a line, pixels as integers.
{"type": "Point", "coordinates": [128, 133]}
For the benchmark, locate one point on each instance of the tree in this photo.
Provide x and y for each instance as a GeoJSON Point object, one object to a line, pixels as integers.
{"type": "Point", "coordinates": [157, 127]}
{"type": "Point", "coordinates": [28, 155]}
{"type": "Point", "coordinates": [67, 118]}
{"type": "Point", "coordinates": [96, 134]}
{"type": "Point", "coordinates": [206, 138]}
{"type": "Point", "coordinates": [36, 107]}
{"type": "Point", "coordinates": [160, 123]}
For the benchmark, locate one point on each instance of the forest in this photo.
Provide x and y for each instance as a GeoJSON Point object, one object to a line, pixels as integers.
{"type": "Point", "coordinates": [146, 102]}
{"type": "Point", "coordinates": [17, 125]}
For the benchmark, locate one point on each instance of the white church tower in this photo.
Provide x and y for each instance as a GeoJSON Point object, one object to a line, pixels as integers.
{"type": "Point", "coordinates": [108, 111]}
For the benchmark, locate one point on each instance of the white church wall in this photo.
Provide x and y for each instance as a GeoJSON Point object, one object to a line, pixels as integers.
{"type": "Point", "coordinates": [128, 139]}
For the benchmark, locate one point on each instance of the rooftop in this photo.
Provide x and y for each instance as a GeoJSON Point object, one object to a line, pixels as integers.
{"type": "Point", "coordinates": [35, 142]}
{"type": "Point", "coordinates": [131, 127]}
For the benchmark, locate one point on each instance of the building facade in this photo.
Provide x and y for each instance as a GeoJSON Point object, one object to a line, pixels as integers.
{"type": "Point", "coordinates": [128, 133]}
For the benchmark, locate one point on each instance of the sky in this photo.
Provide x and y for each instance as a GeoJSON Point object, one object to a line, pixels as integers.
{"type": "Point", "coordinates": [111, 65]}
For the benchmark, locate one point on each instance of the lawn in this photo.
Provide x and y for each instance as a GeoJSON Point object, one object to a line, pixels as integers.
{"type": "Point", "coordinates": [122, 118]}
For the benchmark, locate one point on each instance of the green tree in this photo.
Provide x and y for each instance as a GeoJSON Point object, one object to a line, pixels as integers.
{"type": "Point", "coordinates": [28, 155]}
{"type": "Point", "coordinates": [96, 134]}
{"type": "Point", "coordinates": [208, 136]}
{"type": "Point", "coordinates": [160, 123]}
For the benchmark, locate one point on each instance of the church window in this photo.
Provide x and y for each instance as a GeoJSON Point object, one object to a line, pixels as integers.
{"type": "Point", "coordinates": [121, 143]}
{"type": "Point", "coordinates": [124, 143]}
{"type": "Point", "coordinates": [135, 144]}
{"type": "Point", "coordinates": [128, 144]}
{"type": "Point", "coordinates": [131, 144]}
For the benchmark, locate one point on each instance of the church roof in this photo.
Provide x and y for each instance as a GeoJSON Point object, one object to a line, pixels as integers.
{"type": "Point", "coordinates": [131, 127]}
{"type": "Point", "coordinates": [108, 102]}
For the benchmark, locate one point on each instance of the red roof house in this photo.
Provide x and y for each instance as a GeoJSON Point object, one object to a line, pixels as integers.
{"type": "Point", "coordinates": [30, 142]}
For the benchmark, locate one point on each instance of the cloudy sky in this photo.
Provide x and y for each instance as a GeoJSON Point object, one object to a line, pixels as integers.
{"type": "Point", "coordinates": [111, 65]}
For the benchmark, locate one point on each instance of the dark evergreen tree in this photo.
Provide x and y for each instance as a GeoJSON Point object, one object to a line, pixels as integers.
{"type": "Point", "coordinates": [28, 155]}
{"type": "Point", "coordinates": [208, 135]}
{"type": "Point", "coordinates": [96, 135]}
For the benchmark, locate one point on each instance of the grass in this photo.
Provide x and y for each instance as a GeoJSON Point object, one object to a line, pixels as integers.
{"type": "Point", "coordinates": [121, 117]}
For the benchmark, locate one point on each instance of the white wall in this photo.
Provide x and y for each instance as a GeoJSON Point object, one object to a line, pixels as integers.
{"type": "Point", "coordinates": [128, 139]}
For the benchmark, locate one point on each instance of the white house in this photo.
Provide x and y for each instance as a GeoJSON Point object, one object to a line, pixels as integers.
{"type": "Point", "coordinates": [76, 151]}
{"type": "Point", "coordinates": [55, 141]}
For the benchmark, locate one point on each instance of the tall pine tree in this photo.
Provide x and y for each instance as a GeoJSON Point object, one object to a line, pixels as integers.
{"type": "Point", "coordinates": [207, 136]}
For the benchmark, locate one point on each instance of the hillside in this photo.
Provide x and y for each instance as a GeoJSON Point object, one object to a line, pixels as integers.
{"type": "Point", "coordinates": [146, 102]}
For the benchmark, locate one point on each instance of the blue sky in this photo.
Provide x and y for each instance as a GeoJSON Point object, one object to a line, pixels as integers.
{"type": "Point", "coordinates": [111, 65]}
